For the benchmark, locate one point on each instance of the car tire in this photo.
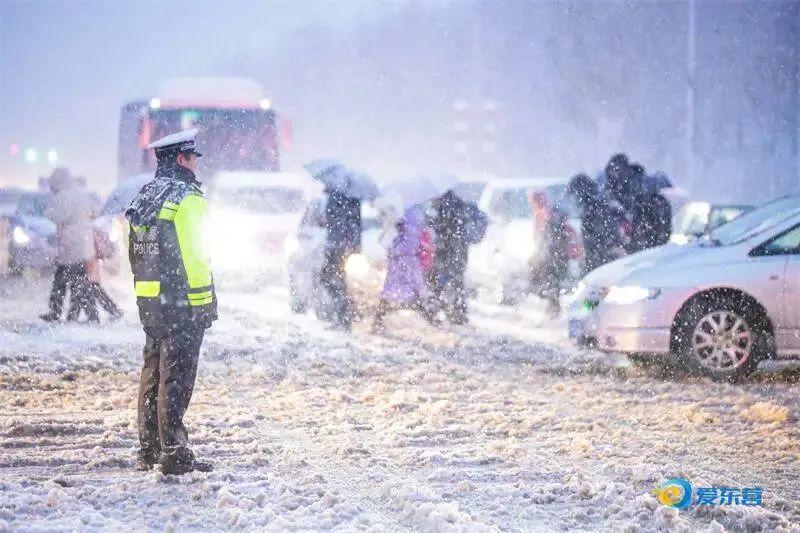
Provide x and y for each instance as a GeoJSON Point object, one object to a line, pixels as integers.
{"type": "Point", "coordinates": [297, 304]}
{"type": "Point", "coordinates": [15, 269]}
{"type": "Point", "coordinates": [722, 338]}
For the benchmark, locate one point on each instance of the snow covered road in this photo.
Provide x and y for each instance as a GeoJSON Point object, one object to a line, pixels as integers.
{"type": "Point", "coordinates": [500, 425]}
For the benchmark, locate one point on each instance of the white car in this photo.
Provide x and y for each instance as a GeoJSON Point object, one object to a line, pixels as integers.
{"type": "Point", "coordinates": [717, 306]}
{"type": "Point", "coordinates": [31, 235]}
{"type": "Point", "coordinates": [499, 264]}
{"type": "Point", "coordinates": [305, 254]}
{"type": "Point", "coordinates": [252, 213]}
{"type": "Point", "coordinates": [697, 218]}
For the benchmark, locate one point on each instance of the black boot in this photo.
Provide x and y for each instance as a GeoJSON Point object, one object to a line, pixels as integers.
{"type": "Point", "coordinates": [146, 458]}
{"type": "Point", "coordinates": [182, 461]}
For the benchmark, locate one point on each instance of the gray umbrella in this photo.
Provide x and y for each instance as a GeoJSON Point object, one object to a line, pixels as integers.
{"type": "Point", "coordinates": [337, 177]}
{"type": "Point", "coordinates": [123, 194]}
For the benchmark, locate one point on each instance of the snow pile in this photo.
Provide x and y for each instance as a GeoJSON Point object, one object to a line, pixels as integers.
{"type": "Point", "coordinates": [424, 510]}
{"type": "Point", "coordinates": [766, 412]}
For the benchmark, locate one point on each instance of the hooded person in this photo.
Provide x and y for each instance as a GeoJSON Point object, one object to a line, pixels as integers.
{"type": "Point", "coordinates": [176, 300]}
{"type": "Point", "coordinates": [102, 248]}
{"type": "Point", "coordinates": [405, 284]}
{"type": "Point", "coordinates": [549, 264]}
{"type": "Point", "coordinates": [620, 183]}
{"type": "Point", "coordinates": [650, 213]}
{"type": "Point", "coordinates": [600, 224]}
{"type": "Point", "coordinates": [71, 211]}
{"type": "Point", "coordinates": [456, 224]}
{"type": "Point", "coordinates": [342, 238]}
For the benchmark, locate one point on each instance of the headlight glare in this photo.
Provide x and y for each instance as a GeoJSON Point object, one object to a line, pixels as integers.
{"type": "Point", "coordinates": [630, 294]}
{"type": "Point", "coordinates": [291, 245]}
{"type": "Point", "coordinates": [20, 236]}
{"type": "Point", "coordinates": [357, 266]}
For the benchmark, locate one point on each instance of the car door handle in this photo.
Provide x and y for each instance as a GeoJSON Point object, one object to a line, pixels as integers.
{"type": "Point", "coordinates": [774, 277]}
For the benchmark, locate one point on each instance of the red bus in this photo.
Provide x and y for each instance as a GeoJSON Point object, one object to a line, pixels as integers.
{"type": "Point", "coordinates": [238, 127]}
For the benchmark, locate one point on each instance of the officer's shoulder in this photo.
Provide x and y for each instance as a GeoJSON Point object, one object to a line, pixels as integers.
{"type": "Point", "coordinates": [181, 190]}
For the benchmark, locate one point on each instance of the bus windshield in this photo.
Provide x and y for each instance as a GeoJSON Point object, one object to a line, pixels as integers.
{"type": "Point", "coordinates": [229, 139]}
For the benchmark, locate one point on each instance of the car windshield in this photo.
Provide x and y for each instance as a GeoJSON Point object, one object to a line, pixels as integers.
{"type": "Point", "coordinates": [557, 195]}
{"type": "Point", "coordinates": [33, 205]}
{"type": "Point", "coordinates": [724, 214]}
{"type": "Point", "coordinates": [469, 191]}
{"type": "Point", "coordinates": [510, 203]}
{"type": "Point", "coordinates": [261, 200]}
{"type": "Point", "coordinates": [755, 222]}
{"type": "Point", "coordinates": [9, 197]}
{"type": "Point", "coordinates": [692, 219]}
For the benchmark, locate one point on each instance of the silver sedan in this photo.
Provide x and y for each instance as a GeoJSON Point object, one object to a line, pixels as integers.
{"type": "Point", "coordinates": [718, 306]}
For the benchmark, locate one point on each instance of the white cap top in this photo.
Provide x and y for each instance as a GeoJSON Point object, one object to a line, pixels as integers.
{"type": "Point", "coordinates": [182, 137]}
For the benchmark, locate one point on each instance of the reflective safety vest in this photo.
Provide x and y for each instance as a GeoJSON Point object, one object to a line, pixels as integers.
{"type": "Point", "coordinates": [171, 270]}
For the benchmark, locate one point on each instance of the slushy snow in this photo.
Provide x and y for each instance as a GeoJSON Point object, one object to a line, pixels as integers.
{"type": "Point", "coordinates": [496, 426]}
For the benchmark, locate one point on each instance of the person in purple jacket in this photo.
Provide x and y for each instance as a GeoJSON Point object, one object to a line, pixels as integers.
{"type": "Point", "coordinates": [405, 285]}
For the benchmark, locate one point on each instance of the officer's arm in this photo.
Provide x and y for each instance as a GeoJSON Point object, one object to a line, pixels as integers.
{"type": "Point", "coordinates": [189, 221]}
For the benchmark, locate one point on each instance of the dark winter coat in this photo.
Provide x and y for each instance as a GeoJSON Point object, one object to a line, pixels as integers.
{"type": "Point", "coordinates": [342, 224]}
{"type": "Point", "coordinates": [456, 224]}
{"type": "Point", "coordinates": [600, 229]}
{"type": "Point", "coordinates": [651, 221]}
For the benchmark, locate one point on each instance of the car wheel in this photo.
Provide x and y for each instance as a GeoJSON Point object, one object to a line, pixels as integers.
{"type": "Point", "coordinates": [15, 269]}
{"type": "Point", "coordinates": [297, 304]}
{"type": "Point", "coordinates": [504, 295]}
{"type": "Point", "coordinates": [721, 338]}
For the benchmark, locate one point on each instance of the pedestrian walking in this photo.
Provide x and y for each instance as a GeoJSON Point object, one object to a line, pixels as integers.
{"type": "Point", "coordinates": [600, 223]}
{"type": "Point", "coordinates": [342, 238]}
{"type": "Point", "coordinates": [70, 210]}
{"type": "Point", "coordinates": [456, 225]}
{"type": "Point", "coordinates": [405, 285]}
{"type": "Point", "coordinates": [549, 264]}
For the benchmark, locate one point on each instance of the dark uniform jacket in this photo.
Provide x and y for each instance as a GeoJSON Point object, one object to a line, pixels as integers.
{"type": "Point", "coordinates": [171, 271]}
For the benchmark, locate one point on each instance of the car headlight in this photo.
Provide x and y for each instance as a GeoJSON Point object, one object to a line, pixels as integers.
{"type": "Point", "coordinates": [20, 236]}
{"type": "Point", "coordinates": [291, 245]}
{"type": "Point", "coordinates": [579, 290]}
{"type": "Point", "coordinates": [679, 238]}
{"type": "Point", "coordinates": [630, 294]}
{"type": "Point", "coordinates": [357, 266]}
{"type": "Point", "coordinates": [115, 235]}
{"type": "Point", "coordinates": [519, 242]}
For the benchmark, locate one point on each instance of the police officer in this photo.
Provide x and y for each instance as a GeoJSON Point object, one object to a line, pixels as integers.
{"type": "Point", "coordinates": [176, 299]}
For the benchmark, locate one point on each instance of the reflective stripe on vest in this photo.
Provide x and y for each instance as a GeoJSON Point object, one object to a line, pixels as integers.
{"type": "Point", "coordinates": [167, 213]}
{"type": "Point", "coordinates": [147, 289]}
